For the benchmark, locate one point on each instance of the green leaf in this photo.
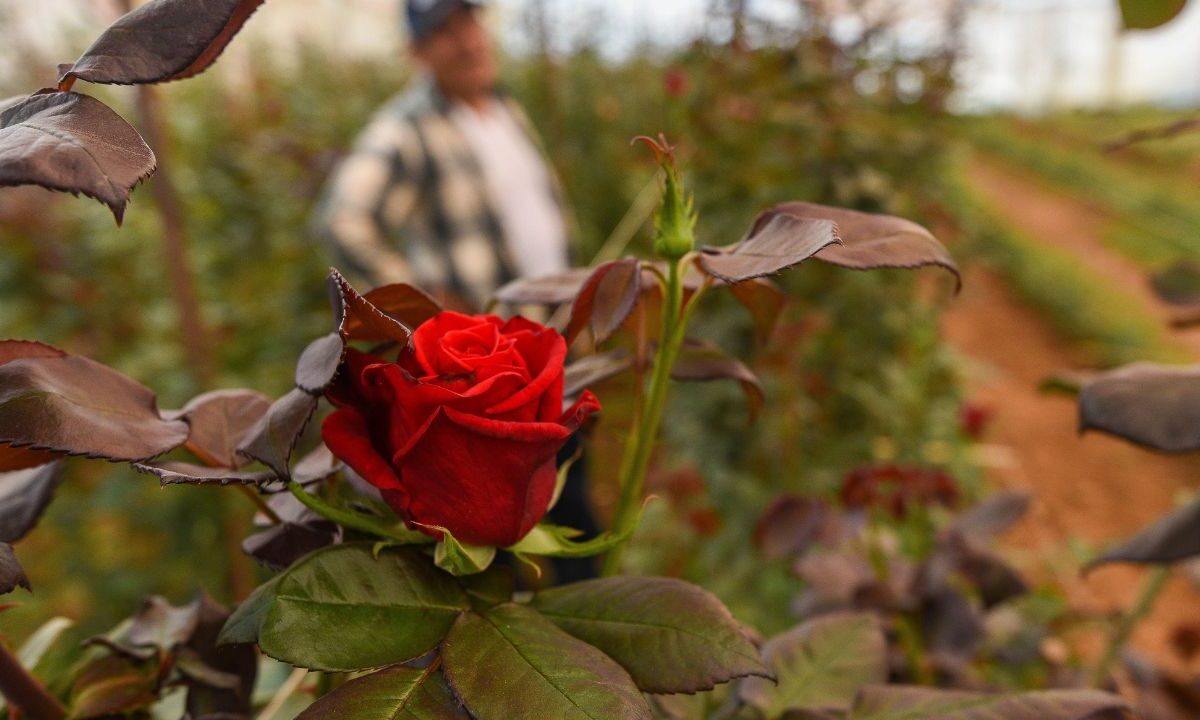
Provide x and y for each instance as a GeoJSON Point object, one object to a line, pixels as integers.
{"type": "Point", "coordinates": [395, 693]}
{"type": "Point", "coordinates": [671, 636]}
{"type": "Point", "coordinates": [820, 664]}
{"type": "Point", "coordinates": [510, 662]}
{"type": "Point", "coordinates": [893, 702]}
{"type": "Point", "coordinates": [1149, 14]}
{"type": "Point", "coordinates": [244, 624]}
{"type": "Point", "coordinates": [342, 610]}
{"type": "Point", "coordinates": [460, 560]}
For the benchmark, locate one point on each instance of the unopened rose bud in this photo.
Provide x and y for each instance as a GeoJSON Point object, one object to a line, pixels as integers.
{"type": "Point", "coordinates": [675, 224]}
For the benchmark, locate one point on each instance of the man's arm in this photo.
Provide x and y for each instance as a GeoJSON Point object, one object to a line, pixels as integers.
{"type": "Point", "coordinates": [371, 194]}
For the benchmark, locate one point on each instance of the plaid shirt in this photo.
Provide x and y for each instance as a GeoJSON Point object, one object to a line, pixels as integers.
{"type": "Point", "coordinates": [410, 203]}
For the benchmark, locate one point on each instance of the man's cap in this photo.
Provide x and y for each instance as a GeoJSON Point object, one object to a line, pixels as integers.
{"type": "Point", "coordinates": [426, 16]}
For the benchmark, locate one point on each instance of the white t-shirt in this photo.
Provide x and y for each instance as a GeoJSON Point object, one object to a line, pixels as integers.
{"type": "Point", "coordinates": [519, 186]}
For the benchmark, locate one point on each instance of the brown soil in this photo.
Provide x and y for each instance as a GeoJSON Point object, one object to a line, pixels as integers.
{"type": "Point", "coordinates": [1092, 488]}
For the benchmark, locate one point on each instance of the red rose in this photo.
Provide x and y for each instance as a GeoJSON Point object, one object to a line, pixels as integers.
{"type": "Point", "coordinates": [461, 432]}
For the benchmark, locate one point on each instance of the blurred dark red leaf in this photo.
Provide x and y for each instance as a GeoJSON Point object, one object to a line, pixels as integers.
{"type": "Point", "coordinates": [605, 300]}
{"type": "Point", "coordinates": [162, 40]}
{"type": "Point", "coordinates": [869, 240]}
{"type": "Point", "coordinates": [594, 369]}
{"type": "Point", "coordinates": [24, 496]}
{"type": "Point", "coordinates": [791, 525]}
{"type": "Point", "coordinates": [699, 362]}
{"type": "Point", "coordinates": [74, 406]}
{"type": "Point", "coordinates": [218, 421]}
{"type": "Point", "coordinates": [893, 702]}
{"type": "Point", "coordinates": [765, 302]}
{"type": "Point", "coordinates": [12, 575]}
{"type": "Point", "coordinates": [73, 143]}
{"type": "Point", "coordinates": [240, 663]}
{"type": "Point", "coordinates": [1171, 539]}
{"type": "Point", "coordinates": [1157, 406]}
{"type": "Point", "coordinates": [777, 241]}
{"type": "Point", "coordinates": [546, 290]}
{"type": "Point", "coordinates": [272, 440]}
{"type": "Point", "coordinates": [992, 517]}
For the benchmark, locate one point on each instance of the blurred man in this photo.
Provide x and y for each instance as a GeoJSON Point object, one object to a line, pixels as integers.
{"type": "Point", "coordinates": [447, 187]}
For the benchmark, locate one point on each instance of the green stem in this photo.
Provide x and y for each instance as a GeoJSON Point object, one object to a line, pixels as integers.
{"type": "Point", "coordinates": [641, 441]}
{"type": "Point", "coordinates": [1155, 583]}
{"type": "Point", "coordinates": [355, 521]}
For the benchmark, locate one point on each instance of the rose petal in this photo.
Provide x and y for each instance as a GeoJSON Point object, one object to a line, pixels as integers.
{"type": "Point", "coordinates": [488, 482]}
{"type": "Point", "coordinates": [346, 435]}
{"type": "Point", "coordinates": [427, 341]}
{"type": "Point", "coordinates": [544, 354]}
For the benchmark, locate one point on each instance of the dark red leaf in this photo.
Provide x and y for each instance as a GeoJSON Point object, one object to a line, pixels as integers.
{"type": "Point", "coordinates": [593, 369]}
{"type": "Point", "coordinates": [20, 349]}
{"type": "Point", "coordinates": [73, 143]}
{"type": "Point", "coordinates": [405, 303]}
{"type": "Point", "coordinates": [1157, 406]}
{"type": "Point", "coordinates": [218, 421]}
{"type": "Point", "coordinates": [74, 406]}
{"type": "Point", "coordinates": [318, 465]}
{"type": "Point", "coordinates": [1171, 539]}
{"type": "Point", "coordinates": [239, 662]}
{"type": "Point", "coordinates": [546, 290]}
{"type": "Point", "coordinates": [319, 363]}
{"type": "Point", "coordinates": [24, 496]}
{"type": "Point", "coordinates": [274, 437]}
{"type": "Point", "coordinates": [777, 241]}
{"type": "Point", "coordinates": [869, 240]}
{"type": "Point", "coordinates": [700, 362]}
{"type": "Point", "coordinates": [281, 545]}
{"type": "Point", "coordinates": [992, 517]}
{"type": "Point", "coordinates": [162, 40]}
{"type": "Point", "coordinates": [892, 702]}
{"type": "Point", "coordinates": [765, 302]}
{"type": "Point", "coordinates": [791, 525]}
{"type": "Point", "coordinates": [605, 300]}
{"type": "Point", "coordinates": [12, 459]}
{"type": "Point", "coordinates": [180, 473]}
{"type": "Point", "coordinates": [359, 319]}
{"type": "Point", "coordinates": [12, 575]}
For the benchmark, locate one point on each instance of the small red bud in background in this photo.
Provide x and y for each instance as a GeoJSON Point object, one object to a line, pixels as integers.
{"type": "Point", "coordinates": [676, 82]}
{"type": "Point", "coordinates": [974, 419]}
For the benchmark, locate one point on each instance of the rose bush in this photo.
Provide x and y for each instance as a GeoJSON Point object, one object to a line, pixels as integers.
{"type": "Point", "coordinates": [461, 432]}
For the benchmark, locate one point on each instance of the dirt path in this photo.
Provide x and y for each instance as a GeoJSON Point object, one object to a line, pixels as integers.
{"type": "Point", "coordinates": [1091, 488]}
{"type": "Point", "coordinates": [1044, 213]}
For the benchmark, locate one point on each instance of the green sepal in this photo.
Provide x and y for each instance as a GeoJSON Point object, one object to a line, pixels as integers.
{"type": "Point", "coordinates": [561, 481]}
{"type": "Point", "coordinates": [461, 560]}
{"type": "Point", "coordinates": [557, 541]}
